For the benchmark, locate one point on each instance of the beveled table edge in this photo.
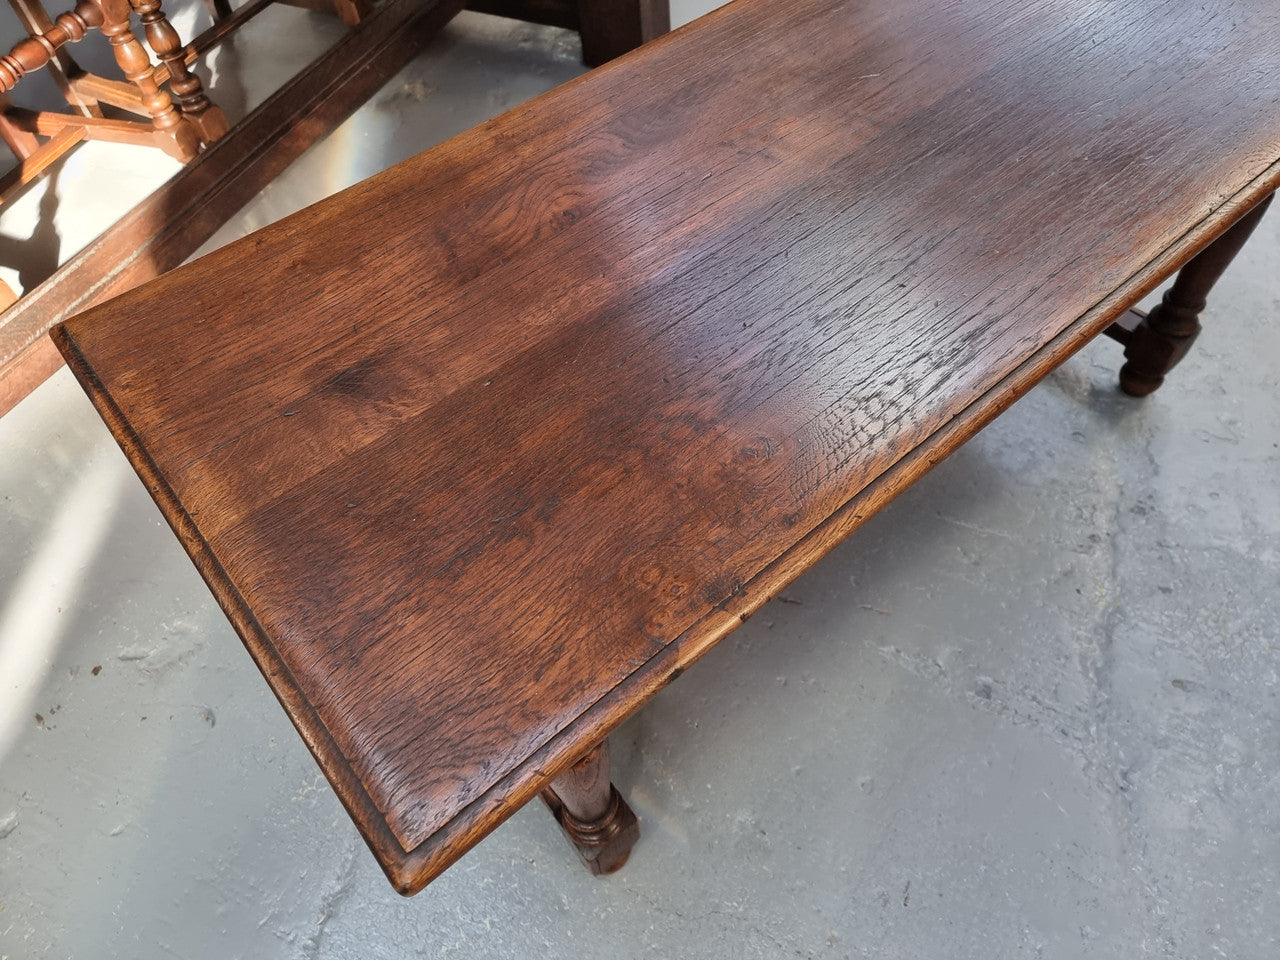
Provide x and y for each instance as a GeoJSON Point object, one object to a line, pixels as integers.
{"type": "Point", "coordinates": [411, 870]}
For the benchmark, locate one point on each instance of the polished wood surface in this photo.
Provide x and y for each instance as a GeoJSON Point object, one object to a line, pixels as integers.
{"type": "Point", "coordinates": [480, 453]}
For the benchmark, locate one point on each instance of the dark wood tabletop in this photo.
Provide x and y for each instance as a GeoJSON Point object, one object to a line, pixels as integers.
{"type": "Point", "coordinates": [481, 452]}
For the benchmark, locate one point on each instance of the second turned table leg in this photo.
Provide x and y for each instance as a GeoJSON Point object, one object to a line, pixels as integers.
{"type": "Point", "coordinates": [1166, 334]}
{"type": "Point", "coordinates": [592, 813]}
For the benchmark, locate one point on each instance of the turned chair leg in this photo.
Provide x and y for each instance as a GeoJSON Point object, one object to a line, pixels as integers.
{"type": "Point", "coordinates": [176, 136]}
{"type": "Point", "coordinates": [1166, 334]}
{"type": "Point", "coordinates": [188, 91]}
{"type": "Point", "coordinates": [61, 67]}
{"type": "Point", "coordinates": [592, 813]}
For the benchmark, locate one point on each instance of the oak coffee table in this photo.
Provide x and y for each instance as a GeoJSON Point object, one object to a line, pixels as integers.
{"type": "Point", "coordinates": [480, 453]}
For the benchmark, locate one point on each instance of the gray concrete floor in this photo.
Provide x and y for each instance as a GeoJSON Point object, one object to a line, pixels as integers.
{"type": "Point", "coordinates": [1029, 710]}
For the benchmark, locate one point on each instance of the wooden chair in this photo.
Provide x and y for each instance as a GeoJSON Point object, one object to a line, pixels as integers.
{"type": "Point", "coordinates": [180, 118]}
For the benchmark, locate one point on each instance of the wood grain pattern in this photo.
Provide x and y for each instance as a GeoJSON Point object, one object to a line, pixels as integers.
{"type": "Point", "coordinates": [578, 394]}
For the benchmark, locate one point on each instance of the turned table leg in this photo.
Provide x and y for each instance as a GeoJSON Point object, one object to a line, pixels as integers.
{"type": "Point", "coordinates": [1166, 334]}
{"type": "Point", "coordinates": [592, 813]}
{"type": "Point", "coordinates": [610, 28]}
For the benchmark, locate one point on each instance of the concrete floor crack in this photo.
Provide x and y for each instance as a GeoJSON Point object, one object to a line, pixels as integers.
{"type": "Point", "coordinates": [343, 885]}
